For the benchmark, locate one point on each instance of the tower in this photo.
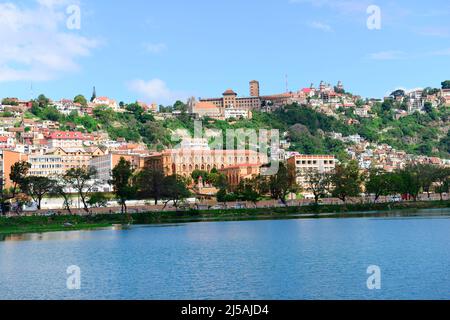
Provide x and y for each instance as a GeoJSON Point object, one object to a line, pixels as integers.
{"type": "Point", "coordinates": [322, 86]}
{"type": "Point", "coordinates": [254, 88]}
{"type": "Point", "coordinates": [94, 95]}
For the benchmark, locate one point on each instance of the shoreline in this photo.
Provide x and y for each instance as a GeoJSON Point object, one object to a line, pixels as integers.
{"type": "Point", "coordinates": [41, 224]}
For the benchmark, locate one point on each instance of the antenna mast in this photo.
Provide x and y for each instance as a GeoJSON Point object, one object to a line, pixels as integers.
{"type": "Point", "coordinates": [287, 84]}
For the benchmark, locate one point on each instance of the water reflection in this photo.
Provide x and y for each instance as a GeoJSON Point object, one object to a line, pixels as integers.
{"type": "Point", "coordinates": [55, 236]}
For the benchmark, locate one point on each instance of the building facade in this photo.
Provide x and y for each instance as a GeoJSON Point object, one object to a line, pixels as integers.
{"type": "Point", "coordinates": [236, 174]}
{"type": "Point", "coordinates": [7, 160]}
{"type": "Point", "coordinates": [63, 139]}
{"type": "Point", "coordinates": [184, 161]}
{"type": "Point", "coordinates": [302, 164]}
{"type": "Point", "coordinates": [254, 88]}
{"type": "Point", "coordinates": [106, 163]}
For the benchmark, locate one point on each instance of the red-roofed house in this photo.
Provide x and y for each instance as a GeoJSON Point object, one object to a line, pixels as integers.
{"type": "Point", "coordinates": [67, 139]}
{"type": "Point", "coordinates": [7, 142]}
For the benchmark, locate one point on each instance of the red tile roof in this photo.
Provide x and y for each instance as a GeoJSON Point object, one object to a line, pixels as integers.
{"type": "Point", "coordinates": [229, 92]}
{"type": "Point", "coordinates": [67, 135]}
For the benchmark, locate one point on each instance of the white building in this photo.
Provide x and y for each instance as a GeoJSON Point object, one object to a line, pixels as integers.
{"type": "Point", "coordinates": [235, 113]}
{"type": "Point", "coordinates": [194, 144]}
{"type": "Point", "coordinates": [105, 101]}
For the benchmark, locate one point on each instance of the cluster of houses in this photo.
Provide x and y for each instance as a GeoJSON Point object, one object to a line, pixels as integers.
{"type": "Point", "coordinates": [416, 100]}
{"type": "Point", "coordinates": [382, 156]}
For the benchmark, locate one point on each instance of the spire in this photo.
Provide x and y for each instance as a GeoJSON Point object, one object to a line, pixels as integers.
{"type": "Point", "coordinates": [94, 95]}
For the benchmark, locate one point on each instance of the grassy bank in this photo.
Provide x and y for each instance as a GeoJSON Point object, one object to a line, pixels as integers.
{"type": "Point", "coordinates": [36, 224]}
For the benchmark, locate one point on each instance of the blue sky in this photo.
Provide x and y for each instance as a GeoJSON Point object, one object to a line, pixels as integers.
{"type": "Point", "coordinates": [159, 51]}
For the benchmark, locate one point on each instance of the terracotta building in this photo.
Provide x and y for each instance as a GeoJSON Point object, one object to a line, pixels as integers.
{"type": "Point", "coordinates": [7, 160]}
{"type": "Point", "coordinates": [184, 161]}
{"type": "Point", "coordinates": [235, 174]}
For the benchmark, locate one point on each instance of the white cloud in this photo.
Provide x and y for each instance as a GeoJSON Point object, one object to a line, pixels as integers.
{"type": "Point", "coordinates": [155, 48]}
{"type": "Point", "coordinates": [321, 26]}
{"type": "Point", "coordinates": [155, 90]}
{"type": "Point", "coordinates": [387, 55]}
{"type": "Point", "coordinates": [343, 6]}
{"type": "Point", "coordinates": [36, 45]}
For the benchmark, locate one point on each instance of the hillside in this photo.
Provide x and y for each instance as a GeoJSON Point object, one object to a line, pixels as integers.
{"type": "Point", "coordinates": [308, 130]}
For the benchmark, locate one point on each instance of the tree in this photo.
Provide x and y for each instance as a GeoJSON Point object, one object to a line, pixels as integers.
{"type": "Point", "coordinates": [196, 174]}
{"type": "Point", "coordinates": [387, 105]}
{"type": "Point", "coordinates": [180, 106]}
{"type": "Point", "coordinates": [428, 107]}
{"type": "Point", "coordinates": [122, 183]}
{"type": "Point", "coordinates": [175, 190]}
{"type": "Point", "coordinates": [318, 183]}
{"type": "Point", "coordinates": [59, 189]}
{"type": "Point", "coordinates": [149, 184]}
{"type": "Point", "coordinates": [446, 84]}
{"type": "Point", "coordinates": [378, 183]}
{"type": "Point", "coordinates": [43, 101]}
{"type": "Point", "coordinates": [81, 100]}
{"type": "Point", "coordinates": [247, 190]}
{"type": "Point", "coordinates": [282, 183]}
{"type": "Point", "coordinates": [83, 181]}
{"type": "Point", "coordinates": [428, 175]}
{"type": "Point", "coordinates": [9, 102]}
{"type": "Point", "coordinates": [218, 180]}
{"type": "Point", "coordinates": [410, 181]}
{"type": "Point", "coordinates": [346, 181]}
{"type": "Point", "coordinates": [398, 93]}
{"type": "Point", "coordinates": [221, 195]}
{"type": "Point", "coordinates": [430, 91]}
{"type": "Point", "coordinates": [37, 188]}
{"type": "Point", "coordinates": [442, 181]}
{"type": "Point", "coordinates": [18, 174]}
{"type": "Point", "coordinates": [98, 200]}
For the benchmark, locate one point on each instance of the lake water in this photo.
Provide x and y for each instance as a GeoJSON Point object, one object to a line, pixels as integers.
{"type": "Point", "coordinates": [284, 259]}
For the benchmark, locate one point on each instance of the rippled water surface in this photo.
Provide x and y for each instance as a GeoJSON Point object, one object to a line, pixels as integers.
{"type": "Point", "coordinates": [285, 259]}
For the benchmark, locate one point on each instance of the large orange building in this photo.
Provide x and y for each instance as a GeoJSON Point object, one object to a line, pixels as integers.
{"type": "Point", "coordinates": [184, 161]}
